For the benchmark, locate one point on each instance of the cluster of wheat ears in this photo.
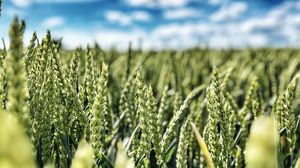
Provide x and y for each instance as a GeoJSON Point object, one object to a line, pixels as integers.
{"type": "Point", "coordinates": [89, 107]}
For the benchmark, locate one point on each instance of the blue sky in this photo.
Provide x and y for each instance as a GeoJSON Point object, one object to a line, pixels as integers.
{"type": "Point", "coordinates": [160, 23]}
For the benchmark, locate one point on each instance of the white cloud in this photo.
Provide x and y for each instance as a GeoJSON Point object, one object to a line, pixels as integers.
{"type": "Point", "coordinates": [214, 2]}
{"type": "Point", "coordinates": [180, 36]}
{"type": "Point", "coordinates": [140, 16]}
{"type": "Point", "coordinates": [297, 5]}
{"type": "Point", "coordinates": [71, 38]}
{"type": "Point", "coordinates": [53, 22]}
{"type": "Point", "coordinates": [282, 9]}
{"type": "Point", "coordinates": [117, 17]}
{"type": "Point", "coordinates": [158, 3]}
{"type": "Point", "coordinates": [259, 24]}
{"type": "Point", "coordinates": [119, 39]}
{"type": "Point", "coordinates": [293, 20]}
{"type": "Point", "coordinates": [279, 28]}
{"type": "Point", "coordinates": [229, 12]}
{"type": "Point", "coordinates": [74, 38]}
{"type": "Point", "coordinates": [181, 13]}
{"type": "Point", "coordinates": [181, 30]}
{"type": "Point", "coordinates": [63, 1]}
{"type": "Point", "coordinates": [127, 19]}
{"type": "Point", "coordinates": [209, 34]}
{"type": "Point", "coordinates": [172, 3]}
{"type": "Point", "coordinates": [11, 11]}
{"type": "Point", "coordinates": [148, 3]}
{"type": "Point", "coordinates": [276, 19]}
{"type": "Point", "coordinates": [22, 3]}
{"type": "Point", "coordinates": [241, 40]}
{"type": "Point", "coordinates": [280, 25]}
{"type": "Point", "coordinates": [26, 3]}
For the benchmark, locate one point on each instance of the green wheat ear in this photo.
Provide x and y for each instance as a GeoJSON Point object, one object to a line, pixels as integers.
{"type": "Point", "coordinates": [144, 112]}
{"type": "Point", "coordinates": [74, 70]}
{"type": "Point", "coordinates": [16, 76]}
{"type": "Point", "coordinates": [169, 133]}
{"type": "Point", "coordinates": [289, 117]}
{"type": "Point", "coordinates": [284, 114]}
{"type": "Point", "coordinates": [153, 121]}
{"type": "Point", "coordinates": [100, 118]}
{"type": "Point", "coordinates": [262, 145]}
{"type": "Point", "coordinates": [215, 105]}
{"type": "Point", "coordinates": [89, 80]}
{"type": "Point", "coordinates": [181, 156]}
